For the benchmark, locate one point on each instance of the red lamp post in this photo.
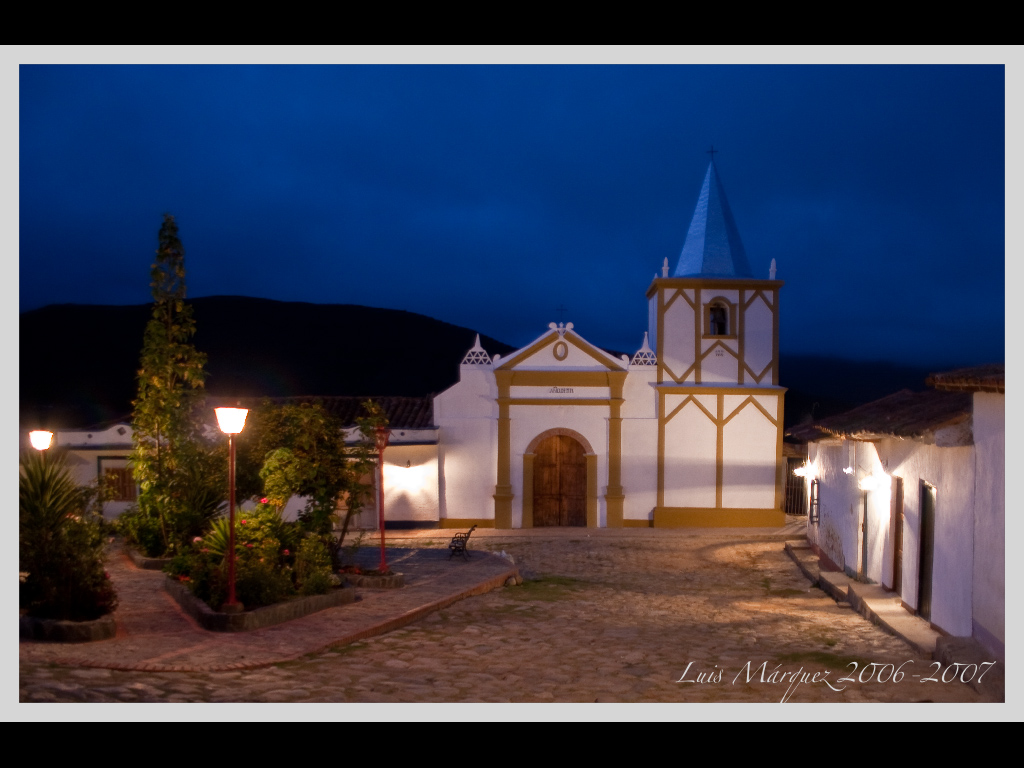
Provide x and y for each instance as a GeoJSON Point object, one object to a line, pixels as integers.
{"type": "Point", "coordinates": [382, 434]}
{"type": "Point", "coordinates": [231, 421]}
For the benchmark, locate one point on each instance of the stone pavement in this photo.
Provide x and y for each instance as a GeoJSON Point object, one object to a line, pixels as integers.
{"type": "Point", "coordinates": [633, 615]}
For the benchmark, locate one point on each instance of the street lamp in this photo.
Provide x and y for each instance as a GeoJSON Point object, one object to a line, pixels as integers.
{"type": "Point", "coordinates": [40, 439]}
{"type": "Point", "coordinates": [231, 421]}
{"type": "Point", "coordinates": [382, 434]}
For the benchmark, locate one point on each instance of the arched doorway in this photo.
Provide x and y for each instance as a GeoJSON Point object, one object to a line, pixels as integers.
{"type": "Point", "coordinates": [560, 482]}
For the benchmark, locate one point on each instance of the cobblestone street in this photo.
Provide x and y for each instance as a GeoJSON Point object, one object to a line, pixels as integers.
{"type": "Point", "coordinates": [605, 616]}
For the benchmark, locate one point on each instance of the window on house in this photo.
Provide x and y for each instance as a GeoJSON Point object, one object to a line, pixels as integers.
{"type": "Point", "coordinates": [812, 502]}
{"type": "Point", "coordinates": [718, 320]}
{"type": "Point", "coordinates": [122, 483]}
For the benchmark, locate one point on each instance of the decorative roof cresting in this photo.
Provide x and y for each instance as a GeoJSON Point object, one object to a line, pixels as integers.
{"type": "Point", "coordinates": [712, 247]}
{"type": "Point", "coordinates": [645, 355]}
{"type": "Point", "coordinates": [476, 355]}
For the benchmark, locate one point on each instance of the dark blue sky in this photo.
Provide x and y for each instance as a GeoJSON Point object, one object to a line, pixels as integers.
{"type": "Point", "coordinates": [487, 196]}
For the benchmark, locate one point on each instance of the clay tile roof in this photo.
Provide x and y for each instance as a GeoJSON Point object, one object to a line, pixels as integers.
{"type": "Point", "coordinates": [904, 414]}
{"type": "Point", "coordinates": [402, 412]}
{"type": "Point", "coordinates": [982, 378]}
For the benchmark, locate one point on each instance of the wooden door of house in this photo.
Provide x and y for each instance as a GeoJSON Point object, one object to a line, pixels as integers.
{"type": "Point", "coordinates": [927, 550]}
{"type": "Point", "coordinates": [560, 483]}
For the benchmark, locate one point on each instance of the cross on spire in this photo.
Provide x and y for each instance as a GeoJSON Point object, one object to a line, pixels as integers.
{"type": "Point", "coordinates": [712, 152]}
{"type": "Point", "coordinates": [561, 310]}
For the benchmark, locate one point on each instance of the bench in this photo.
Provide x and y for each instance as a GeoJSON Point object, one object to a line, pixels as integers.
{"type": "Point", "coordinates": [459, 542]}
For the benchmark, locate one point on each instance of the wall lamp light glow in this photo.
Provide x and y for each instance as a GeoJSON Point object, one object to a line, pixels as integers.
{"type": "Point", "coordinates": [807, 470]}
{"type": "Point", "coordinates": [40, 439]}
{"type": "Point", "coordinates": [847, 470]}
{"type": "Point", "coordinates": [874, 482]}
{"type": "Point", "coordinates": [231, 420]}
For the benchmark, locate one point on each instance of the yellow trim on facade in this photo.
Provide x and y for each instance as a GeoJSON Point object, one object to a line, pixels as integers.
{"type": "Point", "coordinates": [719, 389]}
{"type": "Point", "coordinates": [637, 523]}
{"type": "Point", "coordinates": [725, 283]}
{"type": "Point", "coordinates": [591, 490]}
{"type": "Point", "coordinates": [553, 337]}
{"type": "Point", "coordinates": [605, 401]}
{"type": "Point", "coordinates": [704, 517]}
{"type": "Point", "coordinates": [568, 377]}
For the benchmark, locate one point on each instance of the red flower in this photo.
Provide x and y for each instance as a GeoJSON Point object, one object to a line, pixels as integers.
{"type": "Point", "coordinates": [248, 545]}
{"type": "Point", "coordinates": [243, 522]}
{"type": "Point", "coordinates": [263, 500]}
{"type": "Point", "coordinates": [285, 552]}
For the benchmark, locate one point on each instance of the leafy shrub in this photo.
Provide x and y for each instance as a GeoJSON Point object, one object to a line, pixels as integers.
{"type": "Point", "coordinates": [264, 551]}
{"type": "Point", "coordinates": [60, 543]}
{"type": "Point", "coordinates": [313, 566]}
{"type": "Point", "coordinates": [140, 530]}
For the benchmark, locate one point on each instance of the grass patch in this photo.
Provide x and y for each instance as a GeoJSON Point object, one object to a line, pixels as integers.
{"type": "Point", "coordinates": [824, 658]}
{"type": "Point", "coordinates": [546, 588]}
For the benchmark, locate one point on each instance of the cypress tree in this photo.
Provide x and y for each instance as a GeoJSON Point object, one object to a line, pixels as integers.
{"type": "Point", "coordinates": [165, 421]}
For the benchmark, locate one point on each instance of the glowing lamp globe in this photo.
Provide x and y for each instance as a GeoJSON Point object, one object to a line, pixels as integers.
{"type": "Point", "coordinates": [231, 420]}
{"type": "Point", "coordinates": [40, 439]}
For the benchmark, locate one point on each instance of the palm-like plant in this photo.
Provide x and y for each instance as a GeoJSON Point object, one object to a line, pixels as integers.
{"type": "Point", "coordinates": [60, 546]}
{"type": "Point", "coordinates": [47, 497]}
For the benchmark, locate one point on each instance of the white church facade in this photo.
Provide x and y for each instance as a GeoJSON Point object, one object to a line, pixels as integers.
{"type": "Point", "coordinates": [686, 432]}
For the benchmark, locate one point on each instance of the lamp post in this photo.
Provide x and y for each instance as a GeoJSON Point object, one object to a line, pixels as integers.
{"type": "Point", "coordinates": [382, 434]}
{"type": "Point", "coordinates": [231, 421]}
{"type": "Point", "coordinates": [40, 439]}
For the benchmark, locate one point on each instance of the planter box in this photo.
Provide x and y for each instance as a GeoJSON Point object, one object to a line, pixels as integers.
{"type": "Point", "coordinates": [259, 617]}
{"type": "Point", "coordinates": [59, 631]}
{"type": "Point", "coordinates": [369, 581]}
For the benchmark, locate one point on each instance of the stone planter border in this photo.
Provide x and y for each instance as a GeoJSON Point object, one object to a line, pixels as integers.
{"type": "Point", "coordinates": [60, 631]}
{"type": "Point", "coordinates": [369, 581]}
{"type": "Point", "coordinates": [267, 616]}
{"type": "Point", "coordinates": [146, 563]}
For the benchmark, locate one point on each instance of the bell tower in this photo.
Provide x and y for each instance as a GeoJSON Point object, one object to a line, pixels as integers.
{"type": "Point", "coordinates": [715, 330]}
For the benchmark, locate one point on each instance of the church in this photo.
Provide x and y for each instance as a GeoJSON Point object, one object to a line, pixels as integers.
{"type": "Point", "coordinates": [686, 432]}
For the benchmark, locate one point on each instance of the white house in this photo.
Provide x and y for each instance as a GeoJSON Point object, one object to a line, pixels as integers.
{"type": "Point", "coordinates": [907, 492]}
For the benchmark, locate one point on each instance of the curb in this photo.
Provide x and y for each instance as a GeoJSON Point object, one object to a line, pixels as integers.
{"type": "Point", "coordinates": [146, 563]}
{"type": "Point", "coordinates": [267, 616]}
{"type": "Point", "coordinates": [372, 631]}
{"type": "Point", "coordinates": [61, 631]}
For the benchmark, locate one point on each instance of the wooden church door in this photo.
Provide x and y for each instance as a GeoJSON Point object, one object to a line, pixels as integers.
{"type": "Point", "coordinates": [560, 483]}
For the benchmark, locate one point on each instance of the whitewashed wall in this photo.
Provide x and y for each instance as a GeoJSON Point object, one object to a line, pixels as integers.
{"type": "Point", "coordinates": [989, 522]}
{"type": "Point", "coordinates": [640, 443]}
{"type": "Point", "coordinates": [950, 470]}
{"type": "Point", "coordinates": [466, 415]}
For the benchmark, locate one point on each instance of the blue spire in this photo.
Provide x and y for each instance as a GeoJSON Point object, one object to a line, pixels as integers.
{"type": "Point", "coordinates": [712, 247]}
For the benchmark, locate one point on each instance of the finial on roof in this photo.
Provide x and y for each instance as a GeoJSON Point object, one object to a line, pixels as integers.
{"type": "Point", "coordinates": [771, 271]}
{"type": "Point", "coordinates": [560, 327]}
{"type": "Point", "coordinates": [645, 355]}
{"type": "Point", "coordinates": [664, 268]}
{"type": "Point", "coordinates": [476, 355]}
